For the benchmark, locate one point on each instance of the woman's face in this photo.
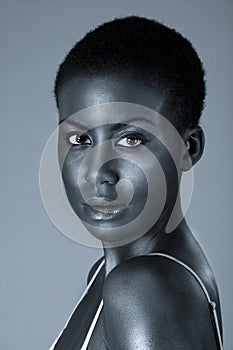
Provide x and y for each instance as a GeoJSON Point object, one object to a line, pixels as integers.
{"type": "Point", "coordinates": [114, 160]}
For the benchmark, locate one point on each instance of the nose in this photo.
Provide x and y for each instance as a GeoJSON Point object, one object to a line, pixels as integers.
{"type": "Point", "coordinates": [104, 179]}
{"type": "Point", "coordinates": [101, 170]}
{"type": "Point", "coordinates": [106, 182]}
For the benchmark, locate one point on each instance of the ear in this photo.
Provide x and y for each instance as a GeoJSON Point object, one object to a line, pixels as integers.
{"type": "Point", "coordinates": [194, 140]}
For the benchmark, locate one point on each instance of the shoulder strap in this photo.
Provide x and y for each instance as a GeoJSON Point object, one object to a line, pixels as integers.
{"type": "Point", "coordinates": [83, 295]}
{"type": "Point", "coordinates": [92, 326]}
{"type": "Point", "coordinates": [212, 304]}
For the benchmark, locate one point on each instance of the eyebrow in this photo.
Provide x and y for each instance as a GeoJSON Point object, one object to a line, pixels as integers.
{"type": "Point", "coordinates": [74, 123]}
{"type": "Point", "coordinates": [116, 126]}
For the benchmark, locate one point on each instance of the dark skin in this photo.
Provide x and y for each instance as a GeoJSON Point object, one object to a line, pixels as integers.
{"type": "Point", "coordinates": [134, 285]}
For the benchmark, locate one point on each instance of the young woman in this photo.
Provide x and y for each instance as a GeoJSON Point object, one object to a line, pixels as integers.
{"type": "Point", "coordinates": [141, 85]}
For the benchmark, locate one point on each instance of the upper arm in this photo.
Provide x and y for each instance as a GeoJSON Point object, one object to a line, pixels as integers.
{"type": "Point", "coordinates": [152, 304]}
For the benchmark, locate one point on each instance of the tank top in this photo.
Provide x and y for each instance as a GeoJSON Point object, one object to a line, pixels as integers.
{"type": "Point", "coordinates": [211, 303]}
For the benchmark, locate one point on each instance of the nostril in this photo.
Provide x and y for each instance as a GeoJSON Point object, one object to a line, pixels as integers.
{"type": "Point", "coordinates": [107, 189]}
{"type": "Point", "coordinates": [108, 182]}
{"type": "Point", "coordinates": [107, 177]}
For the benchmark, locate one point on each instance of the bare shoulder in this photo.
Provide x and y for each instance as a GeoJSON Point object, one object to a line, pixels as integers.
{"type": "Point", "coordinates": [163, 302]}
{"type": "Point", "coordinates": [155, 271]}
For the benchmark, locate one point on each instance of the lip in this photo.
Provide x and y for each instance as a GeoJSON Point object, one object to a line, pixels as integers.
{"type": "Point", "coordinates": [102, 204]}
{"type": "Point", "coordinates": [99, 208]}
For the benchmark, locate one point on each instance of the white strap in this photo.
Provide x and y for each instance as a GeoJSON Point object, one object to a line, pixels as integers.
{"type": "Point", "coordinates": [91, 329]}
{"type": "Point", "coordinates": [83, 295]}
{"type": "Point", "coordinates": [211, 303]}
{"type": "Point", "coordinates": [188, 268]}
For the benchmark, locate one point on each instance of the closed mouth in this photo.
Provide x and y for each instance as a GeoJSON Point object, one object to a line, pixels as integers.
{"type": "Point", "coordinates": [100, 204]}
{"type": "Point", "coordinates": [108, 209]}
{"type": "Point", "coordinates": [100, 208]}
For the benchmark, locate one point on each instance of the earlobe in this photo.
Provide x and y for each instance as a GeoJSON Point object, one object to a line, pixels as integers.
{"type": "Point", "coordinates": [194, 140]}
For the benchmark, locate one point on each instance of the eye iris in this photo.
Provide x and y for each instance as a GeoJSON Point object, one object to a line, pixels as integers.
{"type": "Point", "coordinates": [78, 140]}
{"type": "Point", "coordinates": [132, 141]}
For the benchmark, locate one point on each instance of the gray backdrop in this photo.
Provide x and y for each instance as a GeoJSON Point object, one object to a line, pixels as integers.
{"type": "Point", "coordinates": [43, 273]}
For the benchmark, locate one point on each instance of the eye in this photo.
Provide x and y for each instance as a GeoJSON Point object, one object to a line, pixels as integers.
{"type": "Point", "coordinates": [130, 141]}
{"type": "Point", "coordinates": [79, 140]}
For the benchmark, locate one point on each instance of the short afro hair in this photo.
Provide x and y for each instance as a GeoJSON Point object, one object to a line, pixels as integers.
{"type": "Point", "coordinates": [148, 50]}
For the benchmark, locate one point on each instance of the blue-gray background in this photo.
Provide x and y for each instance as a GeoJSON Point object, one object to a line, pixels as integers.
{"type": "Point", "coordinates": [43, 273]}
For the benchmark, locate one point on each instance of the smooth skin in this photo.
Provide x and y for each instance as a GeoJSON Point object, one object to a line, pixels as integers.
{"type": "Point", "coordinates": [149, 301]}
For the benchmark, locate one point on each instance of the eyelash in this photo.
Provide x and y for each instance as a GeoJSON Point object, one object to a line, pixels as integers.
{"type": "Point", "coordinates": [77, 137]}
{"type": "Point", "coordinates": [132, 136]}
{"type": "Point", "coordinates": [126, 136]}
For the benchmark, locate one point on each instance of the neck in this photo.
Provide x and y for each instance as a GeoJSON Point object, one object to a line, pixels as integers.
{"type": "Point", "coordinates": [116, 255]}
{"type": "Point", "coordinates": [148, 243]}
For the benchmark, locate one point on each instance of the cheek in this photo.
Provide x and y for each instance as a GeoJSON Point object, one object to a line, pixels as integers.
{"type": "Point", "coordinates": [160, 171]}
{"type": "Point", "coordinates": [157, 185]}
{"type": "Point", "coordinates": [149, 165]}
{"type": "Point", "coordinates": [69, 170]}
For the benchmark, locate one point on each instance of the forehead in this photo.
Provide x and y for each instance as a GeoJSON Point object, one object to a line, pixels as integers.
{"type": "Point", "coordinates": [115, 116]}
{"type": "Point", "coordinates": [83, 92]}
